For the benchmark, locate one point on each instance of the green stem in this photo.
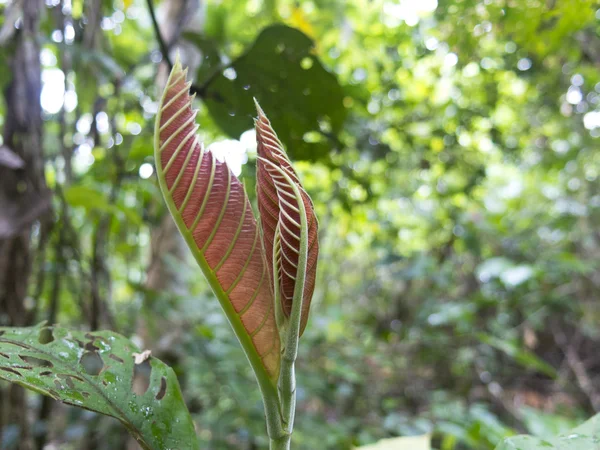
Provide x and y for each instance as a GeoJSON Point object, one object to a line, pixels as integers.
{"type": "Point", "coordinates": [275, 427]}
{"type": "Point", "coordinates": [282, 443]}
{"type": "Point", "coordinates": [287, 392]}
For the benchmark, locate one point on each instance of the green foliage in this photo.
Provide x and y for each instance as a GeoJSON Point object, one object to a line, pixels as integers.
{"type": "Point", "coordinates": [92, 200]}
{"type": "Point", "coordinates": [584, 437]}
{"type": "Point", "coordinates": [519, 354]}
{"type": "Point", "coordinates": [98, 371]}
{"type": "Point", "coordinates": [280, 64]}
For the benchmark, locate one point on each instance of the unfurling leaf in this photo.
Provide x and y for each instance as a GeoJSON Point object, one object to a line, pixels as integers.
{"type": "Point", "coordinates": [212, 211]}
{"type": "Point", "coordinates": [280, 219]}
{"type": "Point", "coordinates": [97, 371]}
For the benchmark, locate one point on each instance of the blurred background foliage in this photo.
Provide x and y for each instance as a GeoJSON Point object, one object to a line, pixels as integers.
{"type": "Point", "coordinates": [451, 150]}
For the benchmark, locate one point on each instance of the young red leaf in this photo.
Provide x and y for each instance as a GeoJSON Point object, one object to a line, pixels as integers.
{"type": "Point", "coordinates": [278, 207]}
{"type": "Point", "coordinates": [212, 212]}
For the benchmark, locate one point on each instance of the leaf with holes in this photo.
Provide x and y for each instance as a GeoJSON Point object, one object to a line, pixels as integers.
{"type": "Point", "coordinates": [213, 213]}
{"type": "Point", "coordinates": [280, 220]}
{"type": "Point", "coordinates": [97, 371]}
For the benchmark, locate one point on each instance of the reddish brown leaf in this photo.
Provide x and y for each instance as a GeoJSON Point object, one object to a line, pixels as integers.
{"type": "Point", "coordinates": [212, 211]}
{"type": "Point", "coordinates": [278, 206]}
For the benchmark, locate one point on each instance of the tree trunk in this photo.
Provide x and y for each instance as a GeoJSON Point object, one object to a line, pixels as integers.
{"type": "Point", "coordinates": [24, 198]}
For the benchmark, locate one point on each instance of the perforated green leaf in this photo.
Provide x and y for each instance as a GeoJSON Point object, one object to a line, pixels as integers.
{"type": "Point", "coordinates": [584, 437]}
{"type": "Point", "coordinates": [98, 371]}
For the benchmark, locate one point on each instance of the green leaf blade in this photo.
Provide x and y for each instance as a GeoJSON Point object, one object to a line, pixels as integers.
{"type": "Point", "coordinates": [97, 371]}
{"type": "Point", "coordinates": [279, 58]}
{"type": "Point", "coordinates": [584, 437]}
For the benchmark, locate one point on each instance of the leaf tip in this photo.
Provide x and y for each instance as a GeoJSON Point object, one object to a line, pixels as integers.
{"type": "Point", "coordinates": [259, 110]}
{"type": "Point", "coordinates": [177, 64]}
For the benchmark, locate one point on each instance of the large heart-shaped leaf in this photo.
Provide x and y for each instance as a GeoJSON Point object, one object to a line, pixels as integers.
{"type": "Point", "coordinates": [98, 371]}
{"type": "Point", "coordinates": [280, 64]}
{"type": "Point", "coordinates": [584, 437]}
{"type": "Point", "coordinates": [213, 213]}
